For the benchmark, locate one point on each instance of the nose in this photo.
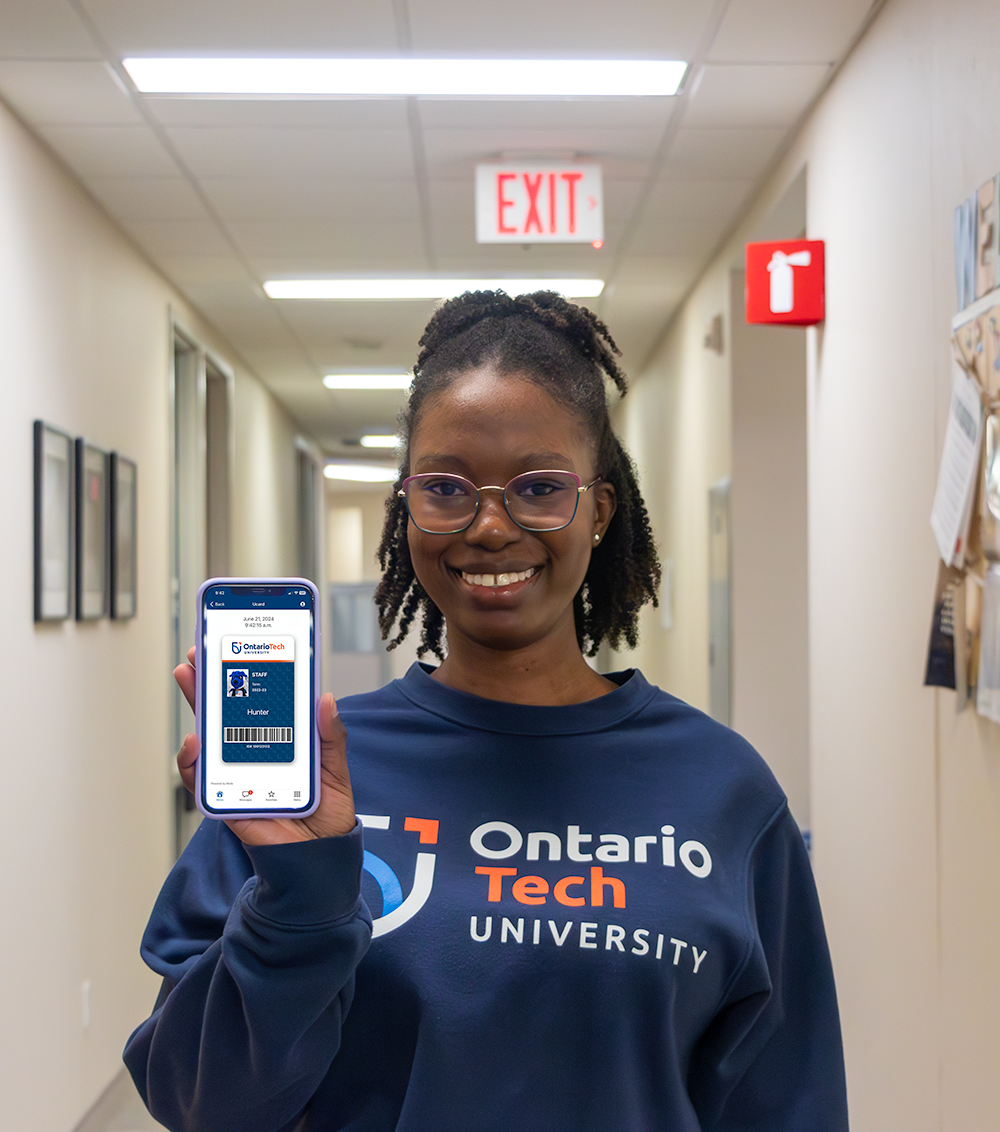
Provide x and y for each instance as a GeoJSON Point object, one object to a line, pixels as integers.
{"type": "Point", "coordinates": [492, 527]}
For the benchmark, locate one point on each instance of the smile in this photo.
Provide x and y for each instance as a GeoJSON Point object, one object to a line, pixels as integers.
{"type": "Point", "coordinates": [493, 580]}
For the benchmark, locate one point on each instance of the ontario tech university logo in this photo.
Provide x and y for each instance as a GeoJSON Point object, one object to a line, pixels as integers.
{"type": "Point", "coordinates": [395, 909]}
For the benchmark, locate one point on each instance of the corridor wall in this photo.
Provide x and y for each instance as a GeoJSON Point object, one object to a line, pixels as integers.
{"type": "Point", "coordinates": [905, 794]}
{"type": "Point", "coordinates": [86, 765]}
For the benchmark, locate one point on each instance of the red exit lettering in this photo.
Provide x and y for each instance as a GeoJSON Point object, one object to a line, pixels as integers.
{"type": "Point", "coordinates": [538, 205]}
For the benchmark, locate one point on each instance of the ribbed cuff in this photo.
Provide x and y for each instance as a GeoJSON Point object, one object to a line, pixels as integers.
{"type": "Point", "coordinates": [308, 883]}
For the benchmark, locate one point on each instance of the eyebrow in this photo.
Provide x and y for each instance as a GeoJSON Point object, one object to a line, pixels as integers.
{"type": "Point", "coordinates": [533, 461]}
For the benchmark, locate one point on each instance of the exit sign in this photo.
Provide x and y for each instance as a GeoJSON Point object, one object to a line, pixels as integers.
{"type": "Point", "coordinates": [539, 204]}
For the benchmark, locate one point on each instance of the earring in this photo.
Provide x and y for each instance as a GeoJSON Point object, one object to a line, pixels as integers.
{"type": "Point", "coordinates": [597, 539]}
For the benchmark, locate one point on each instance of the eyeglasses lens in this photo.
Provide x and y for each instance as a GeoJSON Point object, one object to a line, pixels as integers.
{"type": "Point", "coordinates": [537, 501]}
{"type": "Point", "coordinates": [542, 501]}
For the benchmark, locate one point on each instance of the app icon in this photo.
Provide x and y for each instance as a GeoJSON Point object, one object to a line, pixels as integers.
{"type": "Point", "coordinates": [218, 793]}
{"type": "Point", "coordinates": [247, 793]}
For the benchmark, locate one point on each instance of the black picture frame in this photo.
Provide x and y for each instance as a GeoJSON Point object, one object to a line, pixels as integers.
{"type": "Point", "coordinates": [92, 541]}
{"type": "Point", "coordinates": [123, 511]}
{"type": "Point", "coordinates": [54, 477]}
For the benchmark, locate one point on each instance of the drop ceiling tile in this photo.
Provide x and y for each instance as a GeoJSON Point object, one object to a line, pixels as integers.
{"type": "Point", "coordinates": [148, 198]}
{"type": "Point", "coordinates": [354, 408]}
{"type": "Point", "coordinates": [362, 334]}
{"type": "Point", "coordinates": [654, 274]}
{"type": "Point", "coordinates": [177, 237]}
{"type": "Point", "coordinates": [66, 93]}
{"type": "Point", "coordinates": [269, 152]}
{"type": "Point", "coordinates": [44, 29]}
{"type": "Point", "coordinates": [771, 31]}
{"type": "Point", "coordinates": [453, 154]}
{"type": "Point", "coordinates": [374, 261]}
{"type": "Point", "coordinates": [238, 199]}
{"type": "Point", "coordinates": [333, 113]}
{"type": "Point", "coordinates": [110, 151]}
{"type": "Point", "coordinates": [655, 236]}
{"type": "Point", "coordinates": [561, 114]}
{"type": "Point", "coordinates": [298, 27]}
{"type": "Point", "coordinates": [333, 239]}
{"type": "Point", "coordinates": [754, 94]}
{"type": "Point", "coordinates": [643, 29]}
{"type": "Point", "coordinates": [273, 361]}
{"type": "Point", "coordinates": [737, 155]}
{"type": "Point", "coordinates": [536, 260]}
{"type": "Point", "coordinates": [248, 323]}
{"type": "Point", "coordinates": [697, 200]}
{"type": "Point", "coordinates": [219, 271]}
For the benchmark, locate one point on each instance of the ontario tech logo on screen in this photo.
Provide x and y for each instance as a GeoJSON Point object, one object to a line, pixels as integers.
{"type": "Point", "coordinates": [237, 648]}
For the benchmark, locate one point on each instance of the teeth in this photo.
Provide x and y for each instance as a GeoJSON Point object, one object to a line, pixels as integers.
{"type": "Point", "coordinates": [493, 580]}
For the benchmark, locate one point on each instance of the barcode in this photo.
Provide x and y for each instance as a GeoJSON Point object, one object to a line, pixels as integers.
{"type": "Point", "coordinates": [257, 735]}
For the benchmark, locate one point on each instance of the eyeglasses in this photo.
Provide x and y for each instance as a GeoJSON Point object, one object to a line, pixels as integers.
{"type": "Point", "coordinates": [443, 504]}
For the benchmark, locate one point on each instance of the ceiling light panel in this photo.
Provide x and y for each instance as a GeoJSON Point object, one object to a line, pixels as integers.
{"type": "Point", "coordinates": [359, 473]}
{"type": "Point", "coordinates": [406, 77]}
{"type": "Point", "coordinates": [368, 380]}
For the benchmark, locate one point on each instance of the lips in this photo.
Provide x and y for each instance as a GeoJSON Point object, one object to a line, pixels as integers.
{"type": "Point", "coordinates": [491, 581]}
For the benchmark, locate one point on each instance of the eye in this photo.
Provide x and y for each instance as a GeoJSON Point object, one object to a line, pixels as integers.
{"type": "Point", "coordinates": [444, 488]}
{"type": "Point", "coordinates": [539, 488]}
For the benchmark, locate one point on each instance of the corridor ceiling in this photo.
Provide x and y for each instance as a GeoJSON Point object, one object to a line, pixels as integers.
{"type": "Point", "coordinates": [222, 195]}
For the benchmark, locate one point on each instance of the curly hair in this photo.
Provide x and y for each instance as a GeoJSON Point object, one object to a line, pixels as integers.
{"type": "Point", "coordinates": [568, 351]}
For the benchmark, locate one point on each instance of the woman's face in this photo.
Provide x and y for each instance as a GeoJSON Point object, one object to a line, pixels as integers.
{"type": "Point", "coordinates": [489, 429]}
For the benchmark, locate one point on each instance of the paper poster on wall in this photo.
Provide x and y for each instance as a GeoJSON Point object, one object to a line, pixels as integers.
{"type": "Point", "coordinates": [951, 513]}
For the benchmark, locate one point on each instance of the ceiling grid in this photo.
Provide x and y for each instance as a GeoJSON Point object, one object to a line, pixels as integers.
{"type": "Point", "coordinates": [222, 195]}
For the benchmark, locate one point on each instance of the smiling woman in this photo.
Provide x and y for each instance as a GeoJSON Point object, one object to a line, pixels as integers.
{"type": "Point", "coordinates": [672, 974]}
{"type": "Point", "coordinates": [504, 387]}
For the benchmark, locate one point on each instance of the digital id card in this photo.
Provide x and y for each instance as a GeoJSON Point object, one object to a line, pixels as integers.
{"type": "Point", "coordinates": [257, 691]}
{"type": "Point", "coordinates": [258, 699]}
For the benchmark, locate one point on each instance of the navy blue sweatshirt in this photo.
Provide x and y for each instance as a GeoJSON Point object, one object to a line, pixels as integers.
{"type": "Point", "coordinates": [593, 917]}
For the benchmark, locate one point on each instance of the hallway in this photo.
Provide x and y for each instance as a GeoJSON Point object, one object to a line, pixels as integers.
{"type": "Point", "coordinates": [789, 472]}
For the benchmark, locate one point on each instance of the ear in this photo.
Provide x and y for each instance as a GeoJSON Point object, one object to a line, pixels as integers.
{"type": "Point", "coordinates": [605, 505]}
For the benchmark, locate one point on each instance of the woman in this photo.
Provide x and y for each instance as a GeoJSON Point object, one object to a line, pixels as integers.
{"type": "Point", "coordinates": [611, 922]}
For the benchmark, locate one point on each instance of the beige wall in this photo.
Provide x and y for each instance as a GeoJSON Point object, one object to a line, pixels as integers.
{"type": "Point", "coordinates": [86, 769]}
{"type": "Point", "coordinates": [265, 516]}
{"type": "Point", "coordinates": [358, 561]}
{"type": "Point", "coordinates": [676, 424]}
{"type": "Point", "coordinates": [770, 596]}
{"type": "Point", "coordinates": [905, 797]}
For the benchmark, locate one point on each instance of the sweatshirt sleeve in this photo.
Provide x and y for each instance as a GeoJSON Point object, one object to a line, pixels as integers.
{"type": "Point", "coordinates": [772, 1060]}
{"type": "Point", "coordinates": [257, 947]}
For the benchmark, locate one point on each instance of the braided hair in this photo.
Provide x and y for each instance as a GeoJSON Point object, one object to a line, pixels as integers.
{"type": "Point", "coordinates": [567, 350]}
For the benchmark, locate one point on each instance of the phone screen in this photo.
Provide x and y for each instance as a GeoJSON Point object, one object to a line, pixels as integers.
{"type": "Point", "coordinates": [258, 697]}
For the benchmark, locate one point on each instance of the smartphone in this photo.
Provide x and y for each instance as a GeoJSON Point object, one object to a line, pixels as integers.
{"type": "Point", "coordinates": [255, 703]}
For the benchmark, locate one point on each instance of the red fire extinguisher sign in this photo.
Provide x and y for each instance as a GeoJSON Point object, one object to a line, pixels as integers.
{"type": "Point", "coordinates": [785, 282]}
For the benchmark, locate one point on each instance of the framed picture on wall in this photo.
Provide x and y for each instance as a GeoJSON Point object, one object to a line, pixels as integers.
{"type": "Point", "coordinates": [91, 531]}
{"type": "Point", "coordinates": [123, 510]}
{"type": "Point", "coordinates": [54, 468]}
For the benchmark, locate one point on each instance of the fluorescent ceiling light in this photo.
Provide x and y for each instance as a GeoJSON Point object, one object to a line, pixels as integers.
{"type": "Point", "coordinates": [368, 290]}
{"type": "Point", "coordinates": [376, 440]}
{"type": "Point", "coordinates": [368, 380]}
{"type": "Point", "coordinates": [360, 473]}
{"type": "Point", "coordinates": [395, 78]}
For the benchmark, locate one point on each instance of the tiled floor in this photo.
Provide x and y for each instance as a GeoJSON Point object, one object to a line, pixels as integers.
{"type": "Point", "coordinates": [119, 1110]}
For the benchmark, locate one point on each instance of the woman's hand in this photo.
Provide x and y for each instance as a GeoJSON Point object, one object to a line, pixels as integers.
{"type": "Point", "coordinates": [335, 814]}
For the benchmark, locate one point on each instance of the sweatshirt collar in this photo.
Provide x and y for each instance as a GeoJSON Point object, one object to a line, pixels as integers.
{"type": "Point", "coordinates": [631, 695]}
